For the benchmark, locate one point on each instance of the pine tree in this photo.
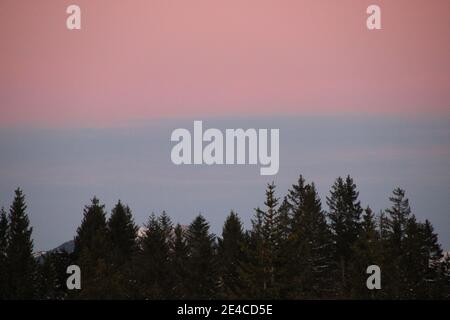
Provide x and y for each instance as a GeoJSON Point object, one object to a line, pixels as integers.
{"type": "Point", "coordinates": [311, 241]}
{"type": "Point", "coordinates": [296, 194]}
{"type": "Point", "coordinates": [92, 233]}
{"type": "Point", "coordinates": [21, 266]}
{"type": "Point", "coordinates": [3, 252]}
{"type": "Point", "coordinates": [414, 261]}
{"type": "Point", "coordinates": [421, 260]}
{"type": "Point", "coordinates": [166, 227]}
{"type": "Point", "coordinates": [399, 214]}
{"type": "Point", "coordinates": [435, 285]}
{"type": "Point", "coordinates": [271, 242]}
{"type": "Point", "coordinates": [284, 256]}
{"type": "Point", "coordinates": [154, 277]}
{"type": "Point", "coordinates": [202, 264]}
{"type": "Point", "coordinates": [122, 234]}
{"type": "Point", "coordinates": [398, 217]}
{"type": "Point", "coordinates": [344, 215]}
{"type": "Point", "coordinates": [91, 253]}
{"type": "Point", "coordinates": [367, 251]}
{"type": "Point", "coordinates": [231, 256]}
{"type": "Point", "coordinates": [178, 262]}
{"type": "Point", "coordinates": [263, 272]}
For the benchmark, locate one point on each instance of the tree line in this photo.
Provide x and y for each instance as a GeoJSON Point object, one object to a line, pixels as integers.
{"type": "Point", "coordinates": [295, 249]}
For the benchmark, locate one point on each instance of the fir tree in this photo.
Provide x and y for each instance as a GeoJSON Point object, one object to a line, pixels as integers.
{"type": "Point", "coordinates": [202, 263]}
{"type": "Point", "coordinates": [92, 233]}
{"type": "Point", "coordinates": [344, 215]}
{"type": "Point", "coordinates": [367, 251]}
{"type": "Point", "coordinates": [433, 255]}
{"type": "Point", "coordinates": [21, 266]}
{"type": "Point", "coordinates": [178, 262]}
{"type": "Point", "coordinates": [420, 260]}
{"type": "Point", "coordinates": [311, 240]}
{"type": "Point", "coordinates": [398, 217]}
{"type": "Point", "coordinates": [284, 256]}
{"type": "Point", "coordinates": [231, 256]}
{"type": "Point", "coordinates": [263, 269]}
{"type": "Point", "coordinates": [399, 214]}
{"type": "Point", "coordinates": [91, 253]}
{"type": "Point", "coordinates": [122, 234]}
{"type": "Point", "coordinates": [3, 254]}
{"type": "Point", "coordinates": [154, 277]}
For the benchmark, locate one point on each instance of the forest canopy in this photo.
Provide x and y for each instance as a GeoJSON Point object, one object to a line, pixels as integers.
{"type": "Point", "coordinates": [295, 249]}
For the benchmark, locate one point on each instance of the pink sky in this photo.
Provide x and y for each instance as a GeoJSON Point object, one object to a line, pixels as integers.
{"type": "Point", "coordinates": [141, 59]}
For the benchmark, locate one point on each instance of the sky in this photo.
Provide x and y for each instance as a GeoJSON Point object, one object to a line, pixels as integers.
{"type": "Point", "coordinates": [90, 111]}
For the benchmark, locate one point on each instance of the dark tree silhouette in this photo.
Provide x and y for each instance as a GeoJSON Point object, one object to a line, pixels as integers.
{"type": "Point", "coordinates": [294, 250]}
{"type": "Point", "coordinates": [21, 266]}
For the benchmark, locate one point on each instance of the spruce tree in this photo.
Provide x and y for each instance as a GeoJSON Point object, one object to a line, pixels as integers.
{"type": "Point", "coordinates": [367, 251]}
{"type": "Point", "coordinates": [231, 256]}
{"type": "Point", "coordinates": [92, 233]}
{"type": "Point", "coordinates": [420, 260]}
{"type": "Point", "coordinates": [91, 253]}
{"type": "Point", "coordinates": [178, 263]}
{"type": "Point", "coordinates": [122, 234]}
{"type": "Point", "coordinates": [284, 250]}
{"type": "Point", "coordinates": [166, 227]}
{"type": "Point", "coordinates": [398, 215]}
{"type": "Point", "coordinates": [3, 254]}
{"type": "Point", "coordinates": [413, 261]}
{"type": "Point", "coordinates": [311, 240]}
{"type": "Point", "coordinates": [344, 215]}
{"type": "Point", "coordinates": [398, 218]}
{"type": "Point", "coordinates": [202, 264]}
{"type": "Point", "coordinates": [264, 271]}
{"type": "Point", "coordinates": [271, 242]}
{"type": "Point", "coordinates": [434, 257]}
{"type": "Point", "coordinates": [154, 277]}
{"type": "Point", "coordinates": [21, 266]}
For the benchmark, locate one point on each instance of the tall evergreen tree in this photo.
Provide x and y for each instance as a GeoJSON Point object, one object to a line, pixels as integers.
{"type": "Point", "coordinates": [92, 233]}
{"type": "Point", "coordinates": [367, 251]}
{"type": "Point", "coordinates": [434, 258]}
{"type": "Point", "coordinates": [344, 215]}
{"type": "Point", "coordinates": [122, 234]}
{"type": "Point", "coordinates": [398, 217]}
{"type": "Point", "coordinates": [202, 264]}
{"type": "Point", "coordinates": [421, 260]}
{"type": "Point", "coordinates": [231, 256]}
{"type": "Point", "coordinates": [264, 271]}
{"type": "Point", "coordinates": [178, 262]}
{"type": "Point", "coordinates": [311, 240]}
{"type": "Point", "coordinates": [3, 254]}
{"type": "Point", "coordinates": [154, 277]}
{"type": "Point", "coordinates": [284, 254]}
{"type": "Point", "coordinates": [91, 252]}
{"type": "Point", "coordinates": [21, 266]}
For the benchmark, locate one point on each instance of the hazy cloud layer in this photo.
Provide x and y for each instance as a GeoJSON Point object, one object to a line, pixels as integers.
{"type": "Point", "coordinates": [61, 169]}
